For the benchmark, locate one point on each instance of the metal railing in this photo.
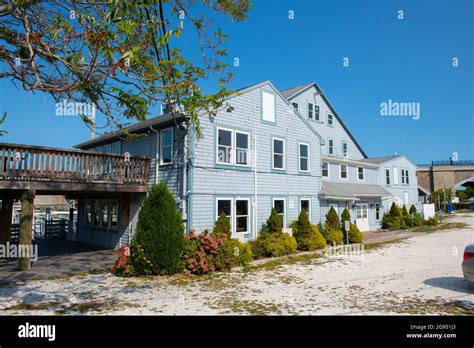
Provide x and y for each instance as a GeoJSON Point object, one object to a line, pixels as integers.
{"type": "Point", "coordinates": [448, 163]}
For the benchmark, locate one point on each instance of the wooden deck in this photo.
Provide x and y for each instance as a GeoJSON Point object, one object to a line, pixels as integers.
{"type": "Point", "coordinates": [64, 171]}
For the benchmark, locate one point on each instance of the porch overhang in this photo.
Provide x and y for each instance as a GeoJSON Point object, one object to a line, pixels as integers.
{"type": "Point", "coordinates": [352, 191]}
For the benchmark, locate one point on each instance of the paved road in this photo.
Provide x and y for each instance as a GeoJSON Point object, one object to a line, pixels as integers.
{"type": "Point", "coordinates": [418, 275]}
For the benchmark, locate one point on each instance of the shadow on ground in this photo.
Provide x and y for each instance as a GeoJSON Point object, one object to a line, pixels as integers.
{"type": "Point", "coordinates": [457, 284]}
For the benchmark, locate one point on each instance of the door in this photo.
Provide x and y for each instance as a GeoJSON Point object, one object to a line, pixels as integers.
{"type": "Point", "coordinates": [362, 216]}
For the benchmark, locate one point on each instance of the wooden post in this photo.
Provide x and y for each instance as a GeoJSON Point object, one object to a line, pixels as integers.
{"type": "Point", "coordinates": [6, 218]}
{"type": "Point", "coordinates": [26, 227]}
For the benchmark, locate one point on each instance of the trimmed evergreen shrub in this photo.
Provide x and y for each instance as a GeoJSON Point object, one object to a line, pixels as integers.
{"type": "Point", "coordinates": [307, 235]}
{"type": "Point", "coordinates": [222, 226]}
{"type": "Point", "coordinates": [395, 210]}
{"type": "Point", "coordinates": [413, 209]}
{"type": "Point", "coordinates": [237, 253]}
{"type": "Point", "coordinates": [333, 235]}
{"type": "Point", "coordinates": [406, 217]}
{"type": "Point", "coordinates": [274, 223]}
{"type": "Point", "coordinates": [332, 218]}
{"type": "Point", "coordinates": [273, 244]}
{"type": "Point", "coordinates": [160, 232]}
{"type": "Point", "coordinates": [345, 216]}
{"type": "Point", "coordinates": [417, 221]}
{"type": "Point", "coordinates": [355, 236]}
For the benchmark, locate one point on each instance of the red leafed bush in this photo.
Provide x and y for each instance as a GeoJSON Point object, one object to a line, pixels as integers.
{"type": "Point", "coordinates": [204, 253]}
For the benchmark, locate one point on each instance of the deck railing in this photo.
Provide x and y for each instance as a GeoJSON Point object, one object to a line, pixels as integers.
{"type": "Point", "coordinates": [448, 163]}
{"type": "Point", "coordinates": [36, 163]}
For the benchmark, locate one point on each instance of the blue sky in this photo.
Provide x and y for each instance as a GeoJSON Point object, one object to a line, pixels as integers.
{"type": "Point", "coordinates": [407, 60]}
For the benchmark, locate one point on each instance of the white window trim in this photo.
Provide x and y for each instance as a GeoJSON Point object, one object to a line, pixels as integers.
{"type": "Point", "coordinates": [284, 207]}
{"type": "Point", "coordinates": [333, 152]}
{"type": "Point", "coordinates": [375, 212]}
{"type": "Point", "coordinates": [329, 173]}
{"type": "Point", "coordinates": [363, 174]}
{"type": "Point", "coordinates": [273, 154]}
{"type": "Point", "coordinates": [319, 112]}
{"type": "Point", "coordinates": [231, 145]}
{"type": "Point", "coordinates": [332, 119]}
{"type": "Point", "coordinates": [161, 146]}
{"type": "Point", "coordinates": [309, 200]}
{"type": "Point", "coordinates": [234, 149]}
{"type": "Point", "coordinates": [389, 176]}
{"type": "Point", "coordinates": [405, 182]}
{"type": "Point", "coordinates": [234, 206]}
{"type": "Point", "coordinates": [299, 158]}
{"type": "Point", "coordinates": [342, 149]}
{"type": "Point", "coordinates": [347, 172]}
{"type": "Point", "coordinates": [225, 198]}
{"type": "Point", "coordinates": [307, 110]}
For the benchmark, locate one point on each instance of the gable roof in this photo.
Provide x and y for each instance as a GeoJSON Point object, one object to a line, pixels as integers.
{"type": "Point", "coordinates": [135, 128]}
{"type": "Point", "coordinates": [290, 93]}
{"type": "Point", "coordinates": [380, 160]}
{"type": "Point", "coordinates": [277, 91]}
{"type": "Point", "coordinates": [168, 119]}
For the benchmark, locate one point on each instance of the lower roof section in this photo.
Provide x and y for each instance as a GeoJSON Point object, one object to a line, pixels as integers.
{"type": "Point", "coordinates": [352, 191]}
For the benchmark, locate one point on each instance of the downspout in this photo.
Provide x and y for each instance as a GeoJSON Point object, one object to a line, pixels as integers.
{"type": "Point", "coordinates": [157, 166]}
{"type": "Point", "coordinates": [255, 190]}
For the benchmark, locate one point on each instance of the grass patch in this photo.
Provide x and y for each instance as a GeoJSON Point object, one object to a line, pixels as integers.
{"type": "Point", "coordinates": [62, 308]}
{"type": "Point", "coordinates": [248, 307]}
{"type": "Point", "coordinates": [440, 227]}
{"type": "Point", "coordinates": [288, 260]}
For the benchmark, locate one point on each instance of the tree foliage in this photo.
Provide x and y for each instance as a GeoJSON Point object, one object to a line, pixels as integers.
{"type": "Point", "coordinates": [123, 56]}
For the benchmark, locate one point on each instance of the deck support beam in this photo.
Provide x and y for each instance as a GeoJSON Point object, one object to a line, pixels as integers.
{"type": "Point", "coordinates": [6, 218]}
{"type": "Point", "coordinates": [26, 227]}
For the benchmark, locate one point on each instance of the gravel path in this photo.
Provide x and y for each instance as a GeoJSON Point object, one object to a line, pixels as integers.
{"type": "Point", "coordinates": [419, 275]}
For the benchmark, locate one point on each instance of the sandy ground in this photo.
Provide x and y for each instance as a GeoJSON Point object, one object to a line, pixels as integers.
{"type": "Point", "coordinates": [419, 275]}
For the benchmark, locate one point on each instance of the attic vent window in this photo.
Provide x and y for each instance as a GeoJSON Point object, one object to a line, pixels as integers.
{"type": "Point", "coordinates": [268, 107]}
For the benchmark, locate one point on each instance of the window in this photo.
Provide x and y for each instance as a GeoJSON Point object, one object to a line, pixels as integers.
{"type": "Point", "coordinates": [241, 215]}
{"type": "Point", "coordinates": [387, 176]}
{"type": "Point", "coordinates": [113, 214]}
{"type": "Point", "coordinates": [295, 105]}
{"type": "Point", "coordinates": [330, 119]}
{"type": "Point", "coordinates": [360, 173]}
{"type": "Point", "coordinates": [166, 148]}
{"type": "Point", "coordinates": [310, 110]}
{"type": "Point", "coordinates": [343, 171]}
{"type": "Point", "coordinates": [377, 211]}
{"type": "Point", "coordinates": [89, 211]}
{"type": "Point", "coordinates": [331, 147]}
{"type": "Point", "coordinates": [116, 148]}
{"type": "Point", "coordinates": [345, 149]}
{"type": "Point", "coordinates": [405, 176]}
{"type": "Point", "coordinates": [305, 204]}
{"type": "Point", "coordinates": [325, 169]}
{"type": "Point", "coordinates": [316, 112]}
{"type": "Point", "coordinates": [225, 206]}
{"type": "Point", "coordinates": [224, 146]}
{"type": "Point", "coordinates": [361, 211]}
{"type": "Point", "coordinates": [241, 149]}
{"type": "Point", "coordinates": [406, 198]}
{"type": "Point", "coordinates": [395, 175]}
{"type": "Point", "coordinates": [96, 213]}
{"type": "Point", "coordinates": [278, 154]}
{"type": "Point", "coordinates": [279, 205]}
{"type": "Point", "coordinates": [104, 222]}
{"type": "Point", "coordinates": [230, 142]}
{"type": "Point", "coordinates": [238, 208]}
{"type": "Point", "coordinates": [268, 107]}
{"type": "Point", "coordinates": [304, 157]}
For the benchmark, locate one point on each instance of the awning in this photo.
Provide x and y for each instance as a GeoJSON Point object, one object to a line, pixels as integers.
{"type": "Point", "coordinates": [351, 191]}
